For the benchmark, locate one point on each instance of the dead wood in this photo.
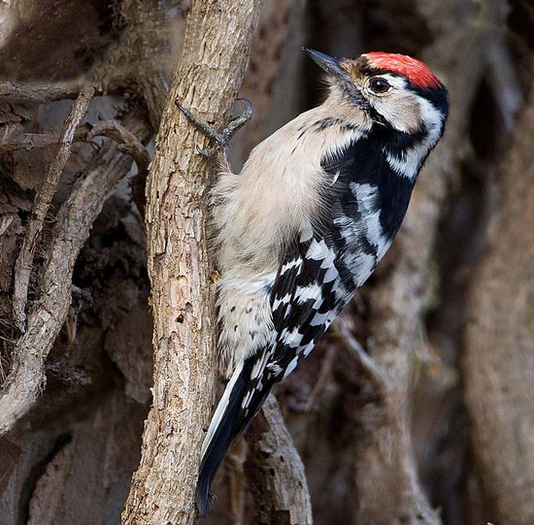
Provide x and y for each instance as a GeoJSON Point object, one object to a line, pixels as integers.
{"type": "Point", "coordinates": [42, 203]}
{"type": "Point", "coordinates": [42, 92]}
{"type": "Point", "coordinates": [366, 364]}
{"type": "Point", "coordinates": [129, 144]}
{"type": "Point", "coordinates": [50, 308]}
{"type": "Point", "coordinates": [275, 471]}
{"type": "Point", "coordinates": [215, 54]}
{"type": "Point", "coordinates": [127, 141]}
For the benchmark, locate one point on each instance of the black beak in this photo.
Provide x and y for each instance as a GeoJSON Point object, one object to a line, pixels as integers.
{"type": "Point", "coordinates": [333, 67]}
{"type": "Point", "coordinates": [325, 62]}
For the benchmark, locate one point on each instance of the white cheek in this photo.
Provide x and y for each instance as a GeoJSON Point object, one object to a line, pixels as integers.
{"type": "Point", "coordinates": [398, 106]}
{"type": "Point", "coordinates": [409, 163]}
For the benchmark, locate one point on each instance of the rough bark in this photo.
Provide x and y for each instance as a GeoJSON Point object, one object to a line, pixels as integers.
{"type": "Point", "coordinates": [276, 473]}
{"type": "Point", "coordinates": [499, 359]}
{"type": "Point", "coordinates": [49, 311]}
{"type": "Point", "coordinates": [215, 55]}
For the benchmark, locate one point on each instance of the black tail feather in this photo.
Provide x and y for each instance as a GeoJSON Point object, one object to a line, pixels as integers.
{"type": "Point", "coordinates": [222, 438]}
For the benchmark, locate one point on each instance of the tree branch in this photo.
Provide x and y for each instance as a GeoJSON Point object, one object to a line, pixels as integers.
{"type": "Point", "coordinates": [276, 472]}
{"type": "Point", "coordinates": [84, 133]}
{"type": "Point", "coordinates": [127, 142]}
{"type": "Point", "coordinates": [42, 203]}
{"type": "Point", "coordinates": [49, 311]}
{"type": "Point", "coordinates": [47, 92]}
{"type": "Point", "coordinates": [215, 54]}
{"type": "Point", "coordinates": [367, 365]}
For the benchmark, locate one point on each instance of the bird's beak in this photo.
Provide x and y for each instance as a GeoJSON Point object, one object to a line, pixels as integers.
{"type": "Point", "coordinates": [333, 67]}
{"type": "Point", "coordinates": [327, 63]}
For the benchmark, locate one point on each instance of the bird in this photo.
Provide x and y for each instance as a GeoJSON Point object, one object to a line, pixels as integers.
{"type": "Point", "coordinates": [304, 224]}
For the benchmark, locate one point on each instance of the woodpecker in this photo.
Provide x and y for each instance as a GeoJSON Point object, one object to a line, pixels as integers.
{"type": "Point", "coordinates": [305, 223]}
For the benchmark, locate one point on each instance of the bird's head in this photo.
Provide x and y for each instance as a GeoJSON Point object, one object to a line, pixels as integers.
{"type": "Point", "coordinates": [395, 91]}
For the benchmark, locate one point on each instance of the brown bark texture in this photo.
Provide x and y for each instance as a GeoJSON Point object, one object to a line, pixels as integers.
{"type": "Point", "coordinates": [416, 407]}
{"type": "Point", "coordinates": [499, 358]}
{"type": "Point", "coordinates": [275, 472]}
{"type": "Point", "coordinates": [214, 58]}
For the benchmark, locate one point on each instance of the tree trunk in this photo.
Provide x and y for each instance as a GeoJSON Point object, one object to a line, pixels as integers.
{"type": "Point", "coordinates": [214, 59]}
{"type": "Point", "coordinates": [499, 358]}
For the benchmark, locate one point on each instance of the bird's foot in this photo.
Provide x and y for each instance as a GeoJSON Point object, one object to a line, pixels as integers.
{"type": "Point", "coordinates": [222, 139]}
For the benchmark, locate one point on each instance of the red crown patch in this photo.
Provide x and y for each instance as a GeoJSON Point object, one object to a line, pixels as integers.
{"type": "Point", "coordinates": [414, 70]}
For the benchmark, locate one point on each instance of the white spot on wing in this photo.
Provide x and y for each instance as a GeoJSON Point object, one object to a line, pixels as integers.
{"type": "Point", "coordinates": [329, 258]}
{"type": "Point", "coordinates": [291, 366]}
{"type": "Point", "coordinates": [295, 263]}
{"type": "Point", "coordinates": [275, 368]}
{"type": "Point", "coordinates": [361, 264]}
{"type": "Point", "coordinates": [306, 235]}
{"type": "Point", "coordinates": [259, 366]}
{"type": "Point", "coordinates": [331, 274]}
{"type": "Point", "coordinates": [307, 349]}
{"type": "Point", "coordinates": [285, 299]}
{"type": "Point", "coordinates": [291, 339]}
{"type": "Point", "coordinates": [320, 319]}
{"type": "Point", "coordinates": [247, 399]}
{"type": "Point", "coordinates": [306, 293]}
{"type": "Point", "coordinates": [317, 250]}
{"type": "Point", "coordinates": [366, 196]}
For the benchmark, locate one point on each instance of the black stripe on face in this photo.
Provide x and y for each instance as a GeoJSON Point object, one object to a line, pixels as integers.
{"type": "Point", "coordinates": [438, 97]}
{"type": "Point", "coordinates": [397, 143]}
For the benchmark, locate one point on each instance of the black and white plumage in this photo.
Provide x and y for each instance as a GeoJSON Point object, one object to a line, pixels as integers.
{"type": "Point", "coordinates": [305, 223]}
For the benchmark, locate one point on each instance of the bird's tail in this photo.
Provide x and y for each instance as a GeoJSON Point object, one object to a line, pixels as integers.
{"type": "Point", "coordinates": [221, 431]}
{"type": "Point", "coordinates": [243, 397]}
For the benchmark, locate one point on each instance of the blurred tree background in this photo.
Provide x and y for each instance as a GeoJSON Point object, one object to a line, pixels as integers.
{"type": "Point", "coordinates": [418, 408]}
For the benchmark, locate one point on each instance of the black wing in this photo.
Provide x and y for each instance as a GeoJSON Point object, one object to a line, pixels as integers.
{"type": "Point", "coordinates": [364, 207]}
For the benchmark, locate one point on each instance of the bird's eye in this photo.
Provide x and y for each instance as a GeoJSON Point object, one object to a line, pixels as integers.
{"type": "Point", "coordinates": [379, 85]}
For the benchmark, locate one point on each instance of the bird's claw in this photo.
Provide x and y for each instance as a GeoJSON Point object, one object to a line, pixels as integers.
{"type": "Point", "coordinates": [237, 123]}
{"type": "Point", "coordinates": [207, 153]}
{"type": "Point", "coordinates": [224, 138]}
